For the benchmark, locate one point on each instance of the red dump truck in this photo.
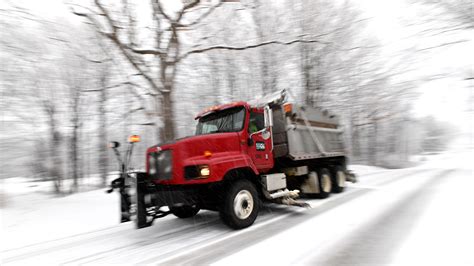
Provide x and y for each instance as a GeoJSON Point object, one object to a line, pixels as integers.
{"type": "Point", "coordinates": [242, 154]}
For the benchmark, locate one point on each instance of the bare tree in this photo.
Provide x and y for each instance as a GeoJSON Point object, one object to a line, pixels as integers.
{"type": "Point", "coordinates": [102, 145]}
{"type": "Point", "coordinates": [265, 27]}
{"type": "Point", "coordinates": [156, 58]}
{"type": "Point", "coordinates": [461, 9]}
{"type": "Point", "coordinates": [165, 49]}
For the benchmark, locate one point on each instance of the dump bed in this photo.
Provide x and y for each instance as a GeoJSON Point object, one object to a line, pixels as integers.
{"type": "Point", "coordinates": [312, 133]}
{"type": "Point", "coordinates": [302, 133]}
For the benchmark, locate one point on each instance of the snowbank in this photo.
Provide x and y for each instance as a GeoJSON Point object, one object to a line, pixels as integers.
{"type": "Point", "coordinates": [359, 169]}
{"type": "Point", "coordinates": [31, 213]}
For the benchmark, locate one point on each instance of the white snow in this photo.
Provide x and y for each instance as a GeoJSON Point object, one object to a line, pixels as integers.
{"type": "Point", "coordinates": [30, 213]}
{"type": "Point", "coordinates": [359, 169]}
{"type": "Point", "coordinates": [323, 232]}
{"type": "Point", "coordinates": [444, 234]}
{"type": "Point", "coordinates": [445, 229]}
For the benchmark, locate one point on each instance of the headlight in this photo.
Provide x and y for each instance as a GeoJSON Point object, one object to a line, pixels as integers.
{"type": "Point", "coordinates": [205, 172]}
{"type": "Point", "coordinates": [197, 171]}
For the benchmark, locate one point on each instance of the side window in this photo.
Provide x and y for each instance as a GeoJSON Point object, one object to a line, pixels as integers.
{"type": "Point", "coordinates": [238, 119]}
{"type": "Point", "coordinates": [256, 122]}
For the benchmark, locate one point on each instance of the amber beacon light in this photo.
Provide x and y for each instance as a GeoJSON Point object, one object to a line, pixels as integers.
{"type": "Point", "coordinates": [134, 138]}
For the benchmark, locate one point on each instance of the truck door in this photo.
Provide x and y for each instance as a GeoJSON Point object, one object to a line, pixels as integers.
{"type": "Point", "coordinates": [260, 148]}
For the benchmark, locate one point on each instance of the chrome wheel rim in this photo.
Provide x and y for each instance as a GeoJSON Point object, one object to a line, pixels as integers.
{"type": "Point", "coordinates": [341, 179]}
{"type": "Point", "coordinates": [243, 204]}
{"type": "Point", "coordinates": [326, 183]}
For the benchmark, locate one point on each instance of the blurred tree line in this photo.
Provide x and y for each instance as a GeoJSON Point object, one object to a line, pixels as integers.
{"type": "Point", "coordinates": [107, 69]}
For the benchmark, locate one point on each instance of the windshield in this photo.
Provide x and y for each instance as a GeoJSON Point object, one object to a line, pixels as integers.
{"type": "Point", "coordinates": [230, 120]}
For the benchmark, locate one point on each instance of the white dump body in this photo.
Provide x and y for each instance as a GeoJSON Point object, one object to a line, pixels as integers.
{"type": "Point", "coordinates": [305, 132]}
{"type": "Point", "coordinates": [313, 133]}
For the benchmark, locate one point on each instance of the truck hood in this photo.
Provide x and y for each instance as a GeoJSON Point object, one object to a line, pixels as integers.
{"type": "Point", "coordinates": [219, 151]}
{"type": "Point", "coordinates": [195, 146]}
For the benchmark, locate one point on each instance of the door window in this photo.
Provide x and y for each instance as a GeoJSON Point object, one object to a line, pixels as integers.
{"type": "Point", "coordinates": [257, 122]}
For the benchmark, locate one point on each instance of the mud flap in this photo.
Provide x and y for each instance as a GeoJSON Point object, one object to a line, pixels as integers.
{"type": "Point", "coordinates": [350, 176]}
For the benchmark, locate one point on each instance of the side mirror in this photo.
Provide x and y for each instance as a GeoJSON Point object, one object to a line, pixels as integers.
{"type": "Point", "coordinates": [265, 135]}
{"type": "Point", "coordinates": [268, 116]}
{"type": "Point", "coordinates": [114, 144]}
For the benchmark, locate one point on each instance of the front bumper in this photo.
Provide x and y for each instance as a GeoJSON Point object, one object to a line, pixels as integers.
{"type": "Point", "coordinates": [169, 195]}
{"type": "Point", "coordinates": [158, 195]}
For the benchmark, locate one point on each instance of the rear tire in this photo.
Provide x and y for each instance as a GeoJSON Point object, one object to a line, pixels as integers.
{"type": "Point", "coordinates": [325, 183]}
{"type": "Point", "coordinates": [185, 211]}
{"type": "Point", "coordinates": [339, 179]}
{"type": "Point", "coordinates": [240, 205]}
{"type": "Point", "coordinates": [310, 187]}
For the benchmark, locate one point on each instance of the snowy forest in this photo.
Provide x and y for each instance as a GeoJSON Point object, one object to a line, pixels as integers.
{"type": "Point", "coordinates": [75, 75]}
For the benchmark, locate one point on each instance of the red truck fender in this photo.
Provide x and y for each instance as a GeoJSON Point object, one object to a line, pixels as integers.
{"type": "Point", "coordinates": [224, 164]}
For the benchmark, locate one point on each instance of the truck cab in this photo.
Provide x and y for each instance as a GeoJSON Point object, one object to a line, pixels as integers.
{"type": "Point", "coordinates": [227, 137]}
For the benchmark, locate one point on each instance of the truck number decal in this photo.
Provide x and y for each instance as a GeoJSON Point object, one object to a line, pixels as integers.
{"type": "Point", "coordinates": [260, 146]}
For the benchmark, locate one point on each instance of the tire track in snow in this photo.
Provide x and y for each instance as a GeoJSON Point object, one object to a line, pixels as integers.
{"type": "Point", "coordinates": [374, 243]}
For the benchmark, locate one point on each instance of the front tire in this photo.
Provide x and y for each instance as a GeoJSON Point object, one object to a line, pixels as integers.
{"type": "Point", "coordinates": [240, 205]}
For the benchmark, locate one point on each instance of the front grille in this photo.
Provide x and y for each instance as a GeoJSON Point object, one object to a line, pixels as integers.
{"type": "Point", "coordinates": [161, 167]}
{"type": "Point", "coordinates": [191, 172]}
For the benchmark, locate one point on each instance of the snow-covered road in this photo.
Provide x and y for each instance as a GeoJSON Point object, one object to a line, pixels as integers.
{"type": "Point", "coordinates": [415, 216]}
